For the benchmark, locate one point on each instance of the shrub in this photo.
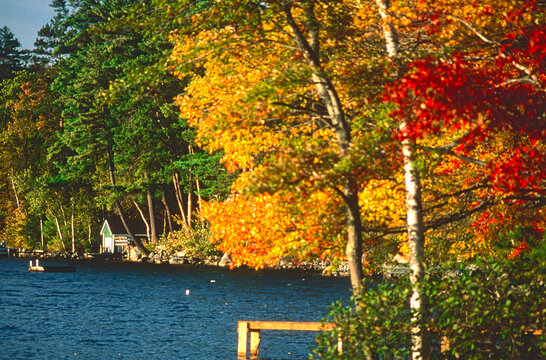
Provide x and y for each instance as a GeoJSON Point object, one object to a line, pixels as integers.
{"type": "Point", "coordinates": [472, 314]}
{"type": "Point", "coordinates": [195, 241]}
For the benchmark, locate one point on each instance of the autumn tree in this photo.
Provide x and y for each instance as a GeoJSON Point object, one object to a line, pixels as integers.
{"type": "Point", "coordinates": [466, 90]}
{"type": "Point", "coordinates": [27, 126]}
{"type": "Point", "coordinates": [290, 120]}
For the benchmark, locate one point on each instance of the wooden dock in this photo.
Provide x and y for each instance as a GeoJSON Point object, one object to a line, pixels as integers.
{"type": "Point", "coordinates": [48, 268]}
{"type": "Point", "coordinates": [254, 327]}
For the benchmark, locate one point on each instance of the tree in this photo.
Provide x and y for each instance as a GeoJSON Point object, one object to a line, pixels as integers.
{"type": "Point", "coordinates": [452, 95]}
{"type": "Point", "coordinates": [118, 118]}
{"type": "Point", "coordinates": [11, 57]}
{"type": "Point", "coordinates": [263, 112]}
{"type": "Point", "coordinates": [27, 126]}
{"type": "Point", "coordinates": [489, 112]}
{"type": "Point", "coordinates": [52, 35]}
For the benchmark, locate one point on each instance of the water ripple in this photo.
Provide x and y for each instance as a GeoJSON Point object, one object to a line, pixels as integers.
{"type": "Point", "coordinates": [141, 311]}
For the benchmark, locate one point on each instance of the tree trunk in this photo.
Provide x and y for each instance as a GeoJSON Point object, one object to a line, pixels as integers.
{"type": "Point", "coordinates": [167, 209]}
{"type": "Point", "coordinates": [134, 239]}
{"type": "Point", "coordinates": [190, 191]}
{"type": "Point", "coordinates": [151, 209]}
{"type": "Point", "coordinates": [143, 219]}
{"type": "Point", "coordinates": [59, 232]}
{"type": "Point", "coordinates": [353, 249]}
{"type": "Point", "coordinates": [89, 233]}
{"type": "Point", "coordinates": [64, 216]}
{"type": "Point", "coordinates": [118, 207]}
{"type": "Point", "coordinates": [342, 130]}
{"type": "Point", "coordinates": [15, 192]}
{"type": "Point", "coordinates": [72, 232]}
{"type": "Point", "coordinates": [414, 213]}
{"type": "Point", "coordinates": [42, 234]}
{"type": "Point", "coordinates": [198, 185]}
{"type": "Point", "coordinates": [416, 239]}
{"type": "Point", "coordinates": [179, 198]}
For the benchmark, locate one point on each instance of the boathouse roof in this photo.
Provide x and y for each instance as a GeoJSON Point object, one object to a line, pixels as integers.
{"type": "Point", "coordinates": [116, 227]}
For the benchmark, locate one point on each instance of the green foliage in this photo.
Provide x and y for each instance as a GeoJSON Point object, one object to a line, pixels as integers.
{"type": "Point", "coordinates": [483, 313]}
{"type": "Point", "coordinates": [378, 326]}
{"type": "Point", "coordinates": [11, 56]}
{"type": "Point", "coordinates": [195, 241]}
{"type": "Point", "coordinates": [526, 244]}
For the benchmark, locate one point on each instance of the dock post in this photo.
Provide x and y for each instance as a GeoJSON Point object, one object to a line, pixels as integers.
{"type": "Point", "coordinates": [30, 263]}
{"type": "Point", "coordinates": [242, 329]}
{"type": "Point", "coordinates": [254, 342]}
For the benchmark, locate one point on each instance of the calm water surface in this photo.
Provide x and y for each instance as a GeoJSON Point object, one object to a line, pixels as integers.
{"type": "Point", "coordinates": [141, 311]}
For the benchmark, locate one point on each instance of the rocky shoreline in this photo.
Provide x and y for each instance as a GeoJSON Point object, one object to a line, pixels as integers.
{"type": "Point", "coordinates": [163, 257]}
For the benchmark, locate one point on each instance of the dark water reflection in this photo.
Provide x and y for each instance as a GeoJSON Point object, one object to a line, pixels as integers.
{"type": "Point", "coordinates": [141, 311]}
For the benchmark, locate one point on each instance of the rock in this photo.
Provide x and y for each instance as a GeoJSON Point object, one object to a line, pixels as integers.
{"type": "Point", "coordinates": [178, 257]}
{"type": "Point", "coordinates": [286, 265]}
{"type": "Point", "coordinates": [135, 254]}
{"type": "Point", "coordinates": [225, 260]}
{"type": "Point", "coordinates": [160, 248]}
{"type": "Point", "coordinates": [181, 253]}
{"type": "Point", "coordinates": [176, 261]}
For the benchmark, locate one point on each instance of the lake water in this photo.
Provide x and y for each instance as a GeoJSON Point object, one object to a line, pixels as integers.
{"type": "Point", "coordinates": [108, 310]}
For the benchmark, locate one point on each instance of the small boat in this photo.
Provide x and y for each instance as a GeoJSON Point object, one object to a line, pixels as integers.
{"type": "Point", "coordinates": [48, 268]}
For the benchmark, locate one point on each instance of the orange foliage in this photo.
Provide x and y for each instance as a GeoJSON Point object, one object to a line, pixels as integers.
{"type": "Point", "coordinates": [263, 229]}
{"type": "Point", "coordinates": [243, 78]}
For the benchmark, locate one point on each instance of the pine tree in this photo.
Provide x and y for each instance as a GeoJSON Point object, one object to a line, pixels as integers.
{"type": "Point", "coordinates": [11, 56]}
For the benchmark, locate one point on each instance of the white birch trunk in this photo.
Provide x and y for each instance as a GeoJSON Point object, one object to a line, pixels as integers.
{"type": "Point", "coordinates": [89, 233]}
{"type": "Point", "coordinates": [414, 213]}
{"type": "Point", "coordinates": [59, 232]}
{"type": "Point", "coordinates": [15, 192]}
{"type": "Point", "coordinates": [72, 232]}
{"type": "Point", "coordinates": [190, 190]}
{"type": "Point", "coordinates": [416, 239]}
{"type": "Point", "coordinates": [143, 219]}
{"type": "Point", "coordinates": [42, 234]}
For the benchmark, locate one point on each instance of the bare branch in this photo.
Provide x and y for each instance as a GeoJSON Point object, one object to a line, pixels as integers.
{"type": "Point", "coordinates": [447, 150]}
{"type": "Point", "coordinates": [485, 39]}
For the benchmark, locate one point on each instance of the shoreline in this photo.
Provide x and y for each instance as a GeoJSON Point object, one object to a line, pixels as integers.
{"type": "Point", "coordinates": [180, 258]}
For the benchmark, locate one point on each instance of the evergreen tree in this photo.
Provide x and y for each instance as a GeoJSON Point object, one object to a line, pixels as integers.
{"type": "Point", "coordinates": [11, 56]}
{"type": "Point", "coordinates": [51, 35]}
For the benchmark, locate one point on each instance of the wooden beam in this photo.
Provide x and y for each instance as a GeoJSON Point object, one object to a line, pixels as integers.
{"type": "Point", "coordinates": [254, 342]}
{"type": "Point", "coordinates": [242, 329]}
{"type": "Point", "coordinates": [289, 325]}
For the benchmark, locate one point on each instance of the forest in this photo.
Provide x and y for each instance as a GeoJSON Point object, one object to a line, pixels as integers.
{"type": "Point", "coordinates": [347, 131]}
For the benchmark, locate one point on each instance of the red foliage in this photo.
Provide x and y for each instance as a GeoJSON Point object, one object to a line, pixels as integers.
{"type": "Point", "coordinates": [504, 95]}
{"type": "Point", "coordinates": [518, 250]}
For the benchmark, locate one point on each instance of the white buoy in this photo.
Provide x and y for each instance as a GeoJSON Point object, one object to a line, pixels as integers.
{"type": "Point", "coordinates": [213, 281]}
{"type": "Point", "coordinates": [187, 291]}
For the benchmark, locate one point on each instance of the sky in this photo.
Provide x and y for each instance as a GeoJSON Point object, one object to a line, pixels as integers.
{"type": "Point", "coordinates": [25, 18]}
